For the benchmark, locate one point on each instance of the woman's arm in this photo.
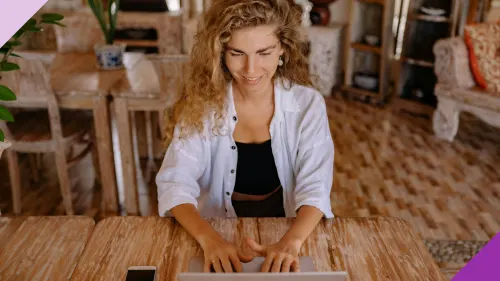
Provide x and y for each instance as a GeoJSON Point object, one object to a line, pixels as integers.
{"type": "Point", "coordinates": [307, 219]}
{"type": "Point", "coordinates": [178, 189]}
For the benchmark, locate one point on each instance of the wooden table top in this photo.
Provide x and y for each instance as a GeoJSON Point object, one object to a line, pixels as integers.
{"type": "Point", "coordinates": [42, 248]}
{"type": "Point", "coordinates": [78, 73]}
{"type": "Point", "coordinates": [367, 248]}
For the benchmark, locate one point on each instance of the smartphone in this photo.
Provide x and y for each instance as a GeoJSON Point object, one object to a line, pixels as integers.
{"type": "Point", "coordinates": [141, 273]}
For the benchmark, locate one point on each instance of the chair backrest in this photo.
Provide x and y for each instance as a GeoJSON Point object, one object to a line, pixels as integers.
{"type": "Point", "coordinates": [169, 70]}
{"type": "Point", "coordinates": [32, 86]}
{"type": "Point", "coordinates": [31, 83]}
{"type": "Point", "coordinates": [80, 34]}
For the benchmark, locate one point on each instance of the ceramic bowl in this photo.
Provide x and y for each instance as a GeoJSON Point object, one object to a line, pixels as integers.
{"type": "Point", "coordinates": [371, 40]}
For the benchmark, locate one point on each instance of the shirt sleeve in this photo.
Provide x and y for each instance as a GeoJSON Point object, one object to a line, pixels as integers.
{"type": "Point", "coordinates": [177, 179]}
{"type": "Point", "coordinates": [315, 160]}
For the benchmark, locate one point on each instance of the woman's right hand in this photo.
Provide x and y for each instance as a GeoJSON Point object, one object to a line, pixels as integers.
{"type": "Point", "coordinates": [221, 255]}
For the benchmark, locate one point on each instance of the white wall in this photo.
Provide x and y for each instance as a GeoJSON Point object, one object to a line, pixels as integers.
{"type": "Point", "coordinates": [339, 11]}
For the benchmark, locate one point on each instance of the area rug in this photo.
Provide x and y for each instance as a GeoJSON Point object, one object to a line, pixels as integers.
{"type": "Point", "coordinates": [452, 255]}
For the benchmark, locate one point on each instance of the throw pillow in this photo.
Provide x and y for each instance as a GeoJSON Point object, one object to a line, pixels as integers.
{"type": "Point", "coordinates": [483, 43]}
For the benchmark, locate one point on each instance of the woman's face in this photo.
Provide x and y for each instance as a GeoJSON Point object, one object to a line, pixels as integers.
{"type": "Point", "coordinates": [252, 56]}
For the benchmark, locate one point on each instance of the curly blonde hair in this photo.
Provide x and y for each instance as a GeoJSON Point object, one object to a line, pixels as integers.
{"type": "Point", "coordinates": [203, 87]}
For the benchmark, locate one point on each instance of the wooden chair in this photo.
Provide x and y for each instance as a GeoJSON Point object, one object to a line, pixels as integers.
{"type": "Point", "coordinates": [40, 127]}
{"type": "Point", "coordinates": [157, 93]}
{"type": "Point", "coordinates": [80, 33]}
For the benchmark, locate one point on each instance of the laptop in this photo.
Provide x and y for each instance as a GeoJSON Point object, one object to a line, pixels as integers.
{"type": "Point", "coordinates": [251, 272]}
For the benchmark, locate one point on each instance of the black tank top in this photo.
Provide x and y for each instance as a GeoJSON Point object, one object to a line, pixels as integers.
{"type": "Point", "coordinates": [256, 172]}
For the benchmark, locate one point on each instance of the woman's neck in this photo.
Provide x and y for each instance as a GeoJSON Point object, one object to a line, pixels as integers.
{"type": "Point", "coordinates": [254, 97]}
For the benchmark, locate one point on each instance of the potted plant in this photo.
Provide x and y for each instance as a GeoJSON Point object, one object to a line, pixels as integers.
{"type": "Point", "coordinates": [110, 54]}
{"type": "Point", "coordinates": [6, 51]}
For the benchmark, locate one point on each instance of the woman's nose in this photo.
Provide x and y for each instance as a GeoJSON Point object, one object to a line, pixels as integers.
{"type": "Point", "coordinates": [250, 65]}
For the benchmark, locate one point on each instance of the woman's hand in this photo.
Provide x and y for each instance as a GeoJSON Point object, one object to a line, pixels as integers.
{"type": "Point", "coordinates": [221, 255]}
{"type": "Point", "coordinates": [280, 257]}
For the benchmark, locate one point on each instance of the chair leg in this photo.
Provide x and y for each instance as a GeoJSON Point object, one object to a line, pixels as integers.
{"type": "Point", "coordinates": [151, 165]}
{"type": "Point", "coordinates": [64, 183]}
{"type": "Point", "coordinates": [15, 180]}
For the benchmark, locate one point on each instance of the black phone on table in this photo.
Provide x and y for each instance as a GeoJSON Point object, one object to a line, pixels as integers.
{"type": "Point", "coordinates": [141, 273]}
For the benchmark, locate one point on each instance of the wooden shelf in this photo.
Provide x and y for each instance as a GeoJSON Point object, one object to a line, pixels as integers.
{"type": "Point", "coordinates": [362, 57]}
{"type": "Point", "coordinates": [138, 43]}
{"type": "Point", "coordinates": [429, 18]}
{"type": "Point", "coordinates": [366, 48]}
{"type": "Point", "coordinates": [360, 91]}
{"type": "Point", "coordinates": [380, 2]}
{"type": "Point", "coordinates": [417, 62]}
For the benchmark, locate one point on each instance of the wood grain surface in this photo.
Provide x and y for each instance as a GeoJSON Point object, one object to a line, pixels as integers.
{"type": "Point", "coordinates": [78, 73]}
{"type": "Point", "coordinates": [367, 248]}
{"type": "Point", "coordinates": [41, 248]}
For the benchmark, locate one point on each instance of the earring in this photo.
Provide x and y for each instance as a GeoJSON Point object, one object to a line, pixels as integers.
{"type": "Point", "coordinates": [280, 62]}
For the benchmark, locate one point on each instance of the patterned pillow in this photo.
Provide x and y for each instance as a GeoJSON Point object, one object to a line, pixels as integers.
{"type": "Point", "coordinates": [483, 42]}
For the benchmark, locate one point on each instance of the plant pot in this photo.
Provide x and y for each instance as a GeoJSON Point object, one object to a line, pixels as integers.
{"type": "Point", "coordinates": [3, 146]}
{"type": "Point", "coordinates": [110, 57]}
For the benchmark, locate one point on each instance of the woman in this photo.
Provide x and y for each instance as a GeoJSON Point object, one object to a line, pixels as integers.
{"type": "Point", "coordinates": [249, 135]}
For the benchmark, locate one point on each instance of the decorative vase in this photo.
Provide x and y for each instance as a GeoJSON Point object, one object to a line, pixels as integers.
{"type": "Point", "coordinates": [110, 57]}
{"type": "Point", "coordinates": [3, 146]}
{"type": "Point", "coordinates": [320, 12]}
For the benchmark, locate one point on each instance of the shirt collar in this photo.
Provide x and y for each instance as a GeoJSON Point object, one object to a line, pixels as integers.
{"type": "Point", "coordinates": [284, 99]}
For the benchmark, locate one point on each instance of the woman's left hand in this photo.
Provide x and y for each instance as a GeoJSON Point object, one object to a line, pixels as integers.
{"type": "Point", "coordinates": [280, 257]}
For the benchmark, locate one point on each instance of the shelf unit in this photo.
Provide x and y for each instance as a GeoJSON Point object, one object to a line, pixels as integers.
{"type": "Point", "coordinates": [415, 78]}
{"type": "Point", "coordinates": [368, 17]}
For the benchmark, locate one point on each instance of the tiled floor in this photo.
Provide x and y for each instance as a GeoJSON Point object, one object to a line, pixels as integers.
{"type": "Point", "coordinates": [385, 164]}
{"type": "Point", "coordinates": [393, 165]}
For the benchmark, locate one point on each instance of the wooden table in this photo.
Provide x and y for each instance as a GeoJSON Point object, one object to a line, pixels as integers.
{"type": "Point", "coordinates": [367, 248]}
{"type": "Point", "coordinates": [41, 248]}
{"type": "Point", "coordinates": [79, 84]}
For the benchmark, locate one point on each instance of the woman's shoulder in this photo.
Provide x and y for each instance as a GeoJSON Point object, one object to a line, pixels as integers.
{"type": "Point", "coordinates": [305, 97]}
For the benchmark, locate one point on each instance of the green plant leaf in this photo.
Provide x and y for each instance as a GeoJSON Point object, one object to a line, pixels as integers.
{"type": "Point", "coordinates": [30, 22]}
{"type": "Point", "coordinates": [98, 10]}
{"type": "Point", "coordinates": [5, 114]}
{"type": "Point", "coordinates": [34, 29]}
{"type": "Point", "coordinates": [15, 43]}
{"type": "Point", "coordinates": [52, 17]}
{"type": "Point", "coordinates": [53, 22]}
{"type": "Point", "coordinates": [15, 55]}
{"type": "Point", "coordinates": [9, 66]}
{"type": "Point", "coordinates": [2, 137]}
{"type": "Point", "coordinates": [6, 94]}
{"type": "Point", "coordinates": [4, 50]}
{"type": "Point", "coordinates": [19, 33]}
{"type": "Point", "coordinates": [112, 19]}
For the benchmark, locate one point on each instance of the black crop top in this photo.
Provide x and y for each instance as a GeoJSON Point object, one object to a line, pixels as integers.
{"type": "Point", "coordinates": [256, 172]}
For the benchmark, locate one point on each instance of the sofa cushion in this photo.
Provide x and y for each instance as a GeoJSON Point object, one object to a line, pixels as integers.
{"type": "Point", "coordinates": [483, 43]}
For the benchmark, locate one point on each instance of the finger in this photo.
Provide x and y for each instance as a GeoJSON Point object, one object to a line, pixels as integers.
{"type": "Point", "coordinates": [235, 261]}
{"type": "Point", "coordinates": [266, 265]}
{"type": "Point", "coordinates": [216, 265]}
{"type": "Point", "coordinates": [287, 263]}
{"type": "Point", "coordinates": [244, 257]}
{"type": "Point", "coordinates": [207, 266]}
{"type": "Point", "coordinates": [278, 260]}
{"type": "Point", "coordinates": [226, 264]}
{"type": "Point", "coordinates": [295, 267]}
{"type": "Point", "coordinates": [256, 246]}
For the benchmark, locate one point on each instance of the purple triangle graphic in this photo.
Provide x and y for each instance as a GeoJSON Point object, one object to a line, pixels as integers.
{"type": "Point", "coordinates": [485, 266]}
{"type": "Point", "coordinates": [14, 14]}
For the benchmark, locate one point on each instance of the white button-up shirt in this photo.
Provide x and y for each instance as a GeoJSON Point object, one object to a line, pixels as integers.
{"type": "Point", "coordinates": [201, 170]}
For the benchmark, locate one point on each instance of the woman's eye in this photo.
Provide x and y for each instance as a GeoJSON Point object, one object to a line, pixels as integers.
{"type": "Point", "coordinates": [265, 54]}
{"type": "Point", "coordinates": [235, 54]}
